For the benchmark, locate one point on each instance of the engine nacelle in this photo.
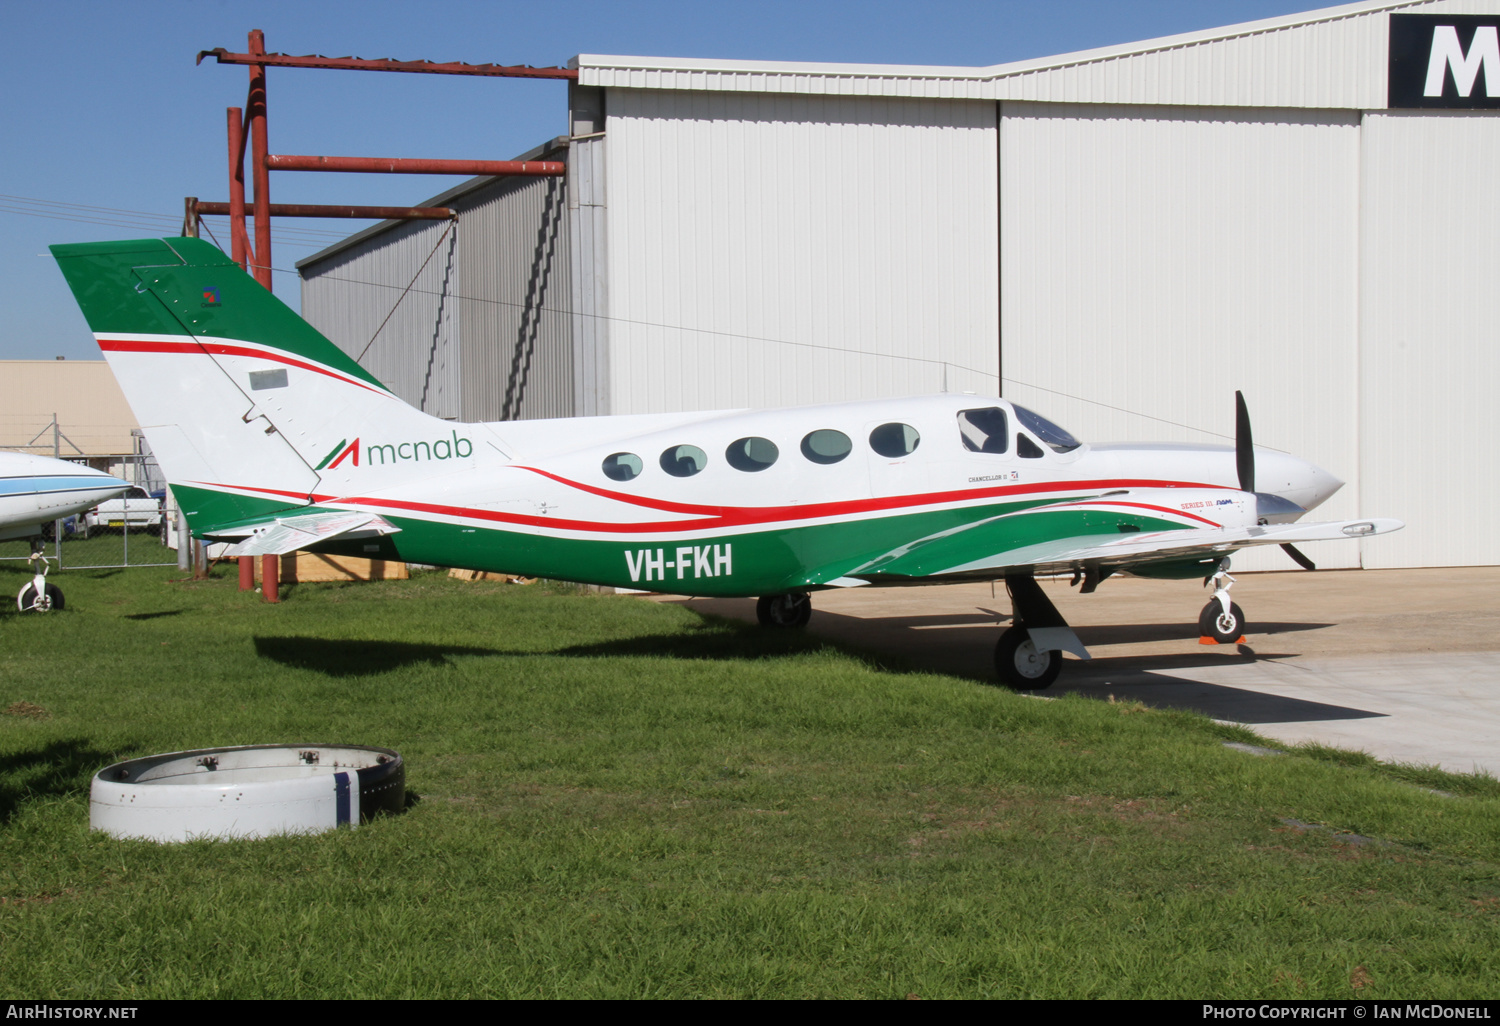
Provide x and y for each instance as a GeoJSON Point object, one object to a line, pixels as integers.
{"type": "Point", "coordinates": [1189, 507]}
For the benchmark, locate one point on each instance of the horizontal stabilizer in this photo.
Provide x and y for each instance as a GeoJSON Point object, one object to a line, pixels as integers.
{"type": "Point", "coordinates": [288, 534]}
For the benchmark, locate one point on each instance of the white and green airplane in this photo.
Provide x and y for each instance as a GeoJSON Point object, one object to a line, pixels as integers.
{"type": "Point", "coordinates": [274, 438]}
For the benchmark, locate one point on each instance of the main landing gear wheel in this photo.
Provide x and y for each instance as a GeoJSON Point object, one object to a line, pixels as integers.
{"type": "Point", "coordinates": [1021, 666]}
{"type": "Point", "coordinates": [1224, 628]}
{"type": "Point", "coordinates": [790, 610]}
{"type": "Point", "coordinates": [52, 598]}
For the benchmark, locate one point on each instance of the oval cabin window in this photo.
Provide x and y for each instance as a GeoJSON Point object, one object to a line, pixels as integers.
{"type": "Point", "coordinates": [826, 446]}
{"type": "Point", "coordinates": [622, 466]}
{"type": "Point", "coordinates": [683, 460]}
{"type": "Point", "coordinates": [894, 441]}
{"type": "Point", "coordinates": [751, 454]}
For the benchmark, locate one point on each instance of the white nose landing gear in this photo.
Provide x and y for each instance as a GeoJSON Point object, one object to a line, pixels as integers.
{"type": "Point", "coordinates": [37, 596]}
{"type": "Point", "coordinates": [1221, 622]}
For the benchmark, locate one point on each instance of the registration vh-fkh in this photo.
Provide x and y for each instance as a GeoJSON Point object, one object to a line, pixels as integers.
{"type": "Point", "coordinates": [276, 440]}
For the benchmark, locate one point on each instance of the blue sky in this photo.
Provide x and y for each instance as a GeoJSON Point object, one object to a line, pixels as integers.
{"type": "Point", "coordinates": [104, 109]}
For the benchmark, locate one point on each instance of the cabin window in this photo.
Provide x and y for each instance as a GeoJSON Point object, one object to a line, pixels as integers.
{"type": "Point", "coordinates": [1027, 449]}
{"type": "Point", "coordinates": [623, 466]}
{"type": "Point", "coordinates": [984, 430]}
{"type": "Point", "coordinates": [683, 460]}
{"type": "Point", "coordinates": [751, 454]}
{"type": "Point", "coordinates": [1056, 438]}
{"type": "Point", "coordinates": [826, 446]}
{"type": "Point", "coordinates": [894, 441]}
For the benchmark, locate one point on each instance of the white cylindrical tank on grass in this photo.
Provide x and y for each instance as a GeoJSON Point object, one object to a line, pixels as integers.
{"type": "Point", "coordinates": [248, 791]}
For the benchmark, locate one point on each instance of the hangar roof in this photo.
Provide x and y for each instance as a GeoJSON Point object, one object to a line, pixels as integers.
{"type": "Point", "coordinates": [1333, 57]}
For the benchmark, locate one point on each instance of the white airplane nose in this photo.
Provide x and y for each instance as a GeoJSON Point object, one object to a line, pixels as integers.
{"type": "Point", "coordinates": [1295, 480]}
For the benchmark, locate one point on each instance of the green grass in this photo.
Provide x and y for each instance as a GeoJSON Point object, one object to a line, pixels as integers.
{"type": "Point", "coordinates": [617, 798]}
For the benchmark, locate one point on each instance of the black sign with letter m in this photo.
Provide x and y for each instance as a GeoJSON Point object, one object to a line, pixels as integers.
{"type": "Point", "coordinates": [1444, 60]}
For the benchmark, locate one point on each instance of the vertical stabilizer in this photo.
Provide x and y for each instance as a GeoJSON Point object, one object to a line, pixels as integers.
{"type": "Point", "coordinates": [239, 397]}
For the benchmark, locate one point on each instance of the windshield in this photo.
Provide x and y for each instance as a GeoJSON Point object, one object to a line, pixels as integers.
{"type": "Point", "coordinates": [1055, 437]}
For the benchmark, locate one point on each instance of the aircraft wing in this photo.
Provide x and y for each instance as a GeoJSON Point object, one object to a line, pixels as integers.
{"type": "Point", "coordinates": [959, 553]}
{"type": "Point", "coordinates": [288, 534]}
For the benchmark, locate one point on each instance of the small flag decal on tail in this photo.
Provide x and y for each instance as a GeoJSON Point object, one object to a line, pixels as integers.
{"type": "Point", "coordinates": [210, 295]}
{"type": "Point", "coordinates": [337, 454]}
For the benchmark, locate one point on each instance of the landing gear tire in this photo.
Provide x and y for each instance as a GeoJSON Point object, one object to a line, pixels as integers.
{"type": "Point", "coordinates": [52, 600]}
{"type": "Point", "coordinates": [791, 610]}
{"type": "Point", "coordinates": [1021, 666]}
{"type": "Point", "coordinates": [1224, 629]}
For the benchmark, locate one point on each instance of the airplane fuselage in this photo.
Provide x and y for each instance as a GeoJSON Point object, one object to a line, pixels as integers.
{"type": "Point", "coordinates": [35, 490]}
{"type": "Point", "coordinates": [744, 503]}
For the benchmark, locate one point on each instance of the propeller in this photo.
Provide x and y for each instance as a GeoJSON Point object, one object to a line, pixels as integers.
{"type": "Point", "coordinates": [1244, 447]}
{"type": "Point", "coordinates": [1244, 465]}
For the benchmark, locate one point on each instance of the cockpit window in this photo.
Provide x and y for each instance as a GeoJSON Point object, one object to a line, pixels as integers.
{"type": "Point", "coordinates": [1027, 449]}
{"type": "Point", "coordinates": [984, 430]}
{"type": "Point", "coordinates": [1056, 439]}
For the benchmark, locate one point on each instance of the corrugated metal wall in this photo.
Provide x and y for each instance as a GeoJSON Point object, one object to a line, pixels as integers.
{"type": "Point", "coordinates": [1430, 352]}
{"type": "Point", "coordinates": [485, 332]}
{"type": "Point", "coordinates": [776, 250]}
{"type": "Point", "coordinates": [350, 295]}
{"type": "Point", "coordinates": [588, 228]}
{"type": "Point", "coordinates": [1329, 58]}
{"type": "Point", "coordinates": [514, 298]}
{"type": "Point", "coordinates": [1158, 258]}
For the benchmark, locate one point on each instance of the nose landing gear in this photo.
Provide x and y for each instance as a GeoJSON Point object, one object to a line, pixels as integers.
{"type": "Point", "coordinates": [1222, 622]}
{"type": "Point", "coordinates": [37, 596]}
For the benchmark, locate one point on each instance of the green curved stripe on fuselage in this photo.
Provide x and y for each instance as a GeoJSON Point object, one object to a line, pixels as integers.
{"type": "Point", "coordinates": [753, 562]}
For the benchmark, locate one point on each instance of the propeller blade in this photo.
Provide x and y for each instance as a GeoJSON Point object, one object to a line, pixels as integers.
{"type": "Point", "coordinates": [1244, 452]}
{"type": "Point", "coordinates": [1298, 557]}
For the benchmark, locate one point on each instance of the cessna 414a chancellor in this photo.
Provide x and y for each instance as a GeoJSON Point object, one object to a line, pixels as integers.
{"type": "Point", "coordinates": [274, 438]}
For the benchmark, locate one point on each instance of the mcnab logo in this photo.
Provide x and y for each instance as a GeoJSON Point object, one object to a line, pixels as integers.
{"type": "Point", "coordinates": [1444, 60]}
{"type": "Point", "coordinates": [398, 452]}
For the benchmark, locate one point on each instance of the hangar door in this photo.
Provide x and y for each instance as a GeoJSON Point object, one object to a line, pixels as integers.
{"type": "Point", "coordinates": [1155, 259]}
{"type": "Point", "coordinates": [1430, 361]}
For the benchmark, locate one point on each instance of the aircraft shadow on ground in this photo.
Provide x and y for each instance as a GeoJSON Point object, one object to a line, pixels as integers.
{"type": "Point", "coordinates": [739, 642]}
{"type": "Point", "coordinates": [153, 616]}
{"type": "Point", "coordinates": [961, 644]}
{"type": "Point", "coordinates": [54, 769]}
{"type": "Point", "coordinates": [342, 657]}
{"type": "Point", "coordinates": [1125, 680]}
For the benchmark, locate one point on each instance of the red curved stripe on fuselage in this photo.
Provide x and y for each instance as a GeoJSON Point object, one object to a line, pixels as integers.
{"type": "Point", "coordinates": [718, 517]}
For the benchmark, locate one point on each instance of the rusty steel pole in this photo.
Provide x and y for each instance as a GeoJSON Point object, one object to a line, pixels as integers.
{"type": "Point", "coordinates": [206, 207]}
{"type": "Point", "coordinates": [414, 165]}
{"type": "Point", "coordinates": [255, 110]}
{"type": "Point", "coordinates": [239, 241]}
{"type": "Point", "coordinates": [270, 577]}
{"type": "Point", "coordinates": [239, 244]}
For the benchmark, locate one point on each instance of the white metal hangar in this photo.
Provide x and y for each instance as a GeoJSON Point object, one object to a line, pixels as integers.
{"type": "Point", "coordinates": [1302, 208]}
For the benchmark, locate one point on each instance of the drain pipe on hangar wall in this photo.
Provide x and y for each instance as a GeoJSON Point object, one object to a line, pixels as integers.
{"type": "Point", "coordinates": [256, 259]}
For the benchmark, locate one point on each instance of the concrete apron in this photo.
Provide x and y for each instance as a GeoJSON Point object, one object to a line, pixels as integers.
{"type": "Point", "coordinates": [1402, 664]}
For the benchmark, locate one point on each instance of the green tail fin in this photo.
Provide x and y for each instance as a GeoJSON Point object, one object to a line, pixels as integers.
{"type": "Point", "coordinates": [187, 287]}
